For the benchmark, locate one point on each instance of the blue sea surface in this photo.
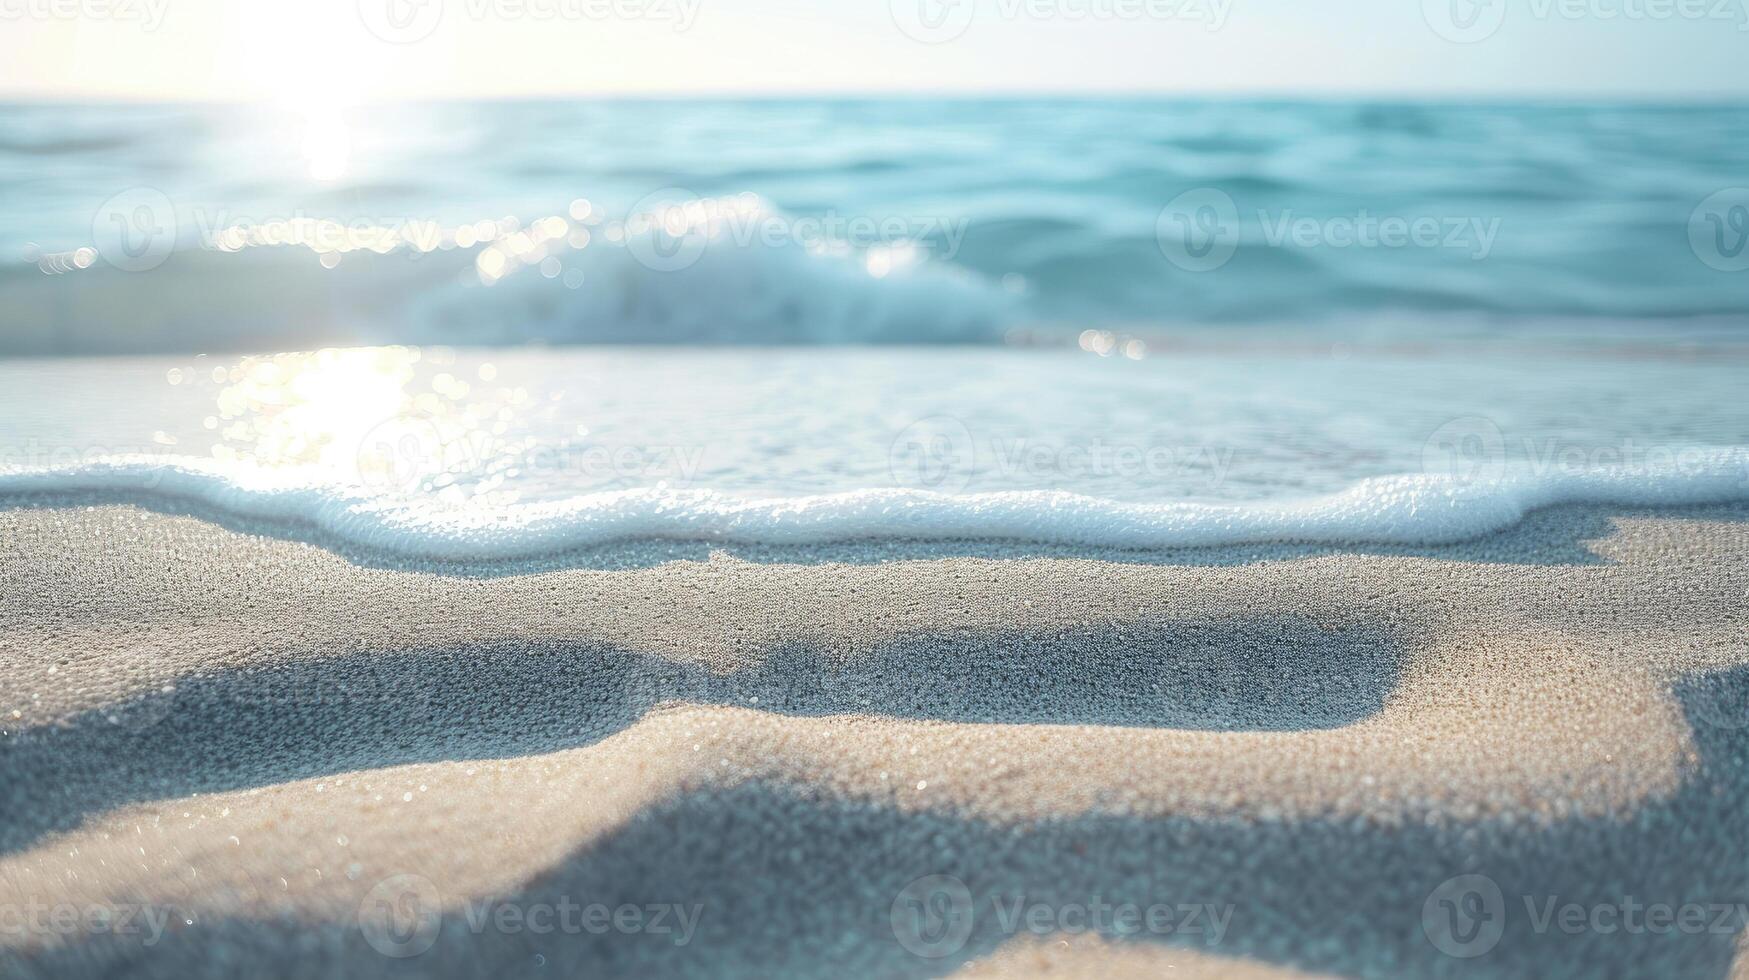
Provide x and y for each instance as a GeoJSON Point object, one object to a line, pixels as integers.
{"type": "Point", "coordinates": [181, 228]}
{"type": "Point", "coordinates": [494, 330]}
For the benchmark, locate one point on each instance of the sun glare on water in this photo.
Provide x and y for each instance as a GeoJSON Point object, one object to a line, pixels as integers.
{"type": "Point", "coordinates": [297, 410]}
{"type": "Point", "coordinates": [327, 145]}
{"type": "Point", "coordinates": [394, 421]}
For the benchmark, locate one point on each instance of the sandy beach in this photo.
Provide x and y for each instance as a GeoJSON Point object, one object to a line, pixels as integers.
{"type": "Point", "coordinates": [230, 750]}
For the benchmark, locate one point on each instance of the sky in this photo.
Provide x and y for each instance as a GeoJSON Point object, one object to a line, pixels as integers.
{"type": "Point", "coordinates": [335, 52]}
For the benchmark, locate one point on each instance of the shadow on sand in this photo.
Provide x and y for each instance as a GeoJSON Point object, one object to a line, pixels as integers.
{"type": "Point", "coordinates": [791, 883]}
{"type": "Point", "coordinates": [242, 728]}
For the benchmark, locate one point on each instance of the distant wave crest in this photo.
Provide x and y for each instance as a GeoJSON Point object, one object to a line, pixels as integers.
{"type": "Point", "coordinates": [699, 270]}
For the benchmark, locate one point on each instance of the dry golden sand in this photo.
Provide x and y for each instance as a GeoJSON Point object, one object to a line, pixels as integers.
{"type": "Point", "coordinates": [252, 738]}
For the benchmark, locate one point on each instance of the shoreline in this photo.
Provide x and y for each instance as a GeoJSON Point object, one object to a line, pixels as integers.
{"type": "Point", "coordinates": [633, 549]}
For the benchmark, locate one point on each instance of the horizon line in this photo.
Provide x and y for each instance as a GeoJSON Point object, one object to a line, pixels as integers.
{"type": "Point", "coordinates": [1482, 97]}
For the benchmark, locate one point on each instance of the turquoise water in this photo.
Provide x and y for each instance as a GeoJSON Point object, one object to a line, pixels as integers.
{"type": "Point", "coordinates": [907, 220]}
{"type": "Point", "coordinates": [496, 330]}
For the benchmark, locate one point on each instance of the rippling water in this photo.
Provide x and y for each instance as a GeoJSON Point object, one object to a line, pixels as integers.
{"type": "Point", "coordinates": [163, 228]}
{"type": "Point", "coordinates": [1178, 322]}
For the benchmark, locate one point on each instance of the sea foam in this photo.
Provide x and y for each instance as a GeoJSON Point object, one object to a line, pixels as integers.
{"type": "Point", "coordinates": [1401, 510]}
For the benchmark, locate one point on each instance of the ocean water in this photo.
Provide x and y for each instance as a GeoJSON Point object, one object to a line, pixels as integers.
{"type": "Point", "coordinates": [493, 330]}
{"type": "Point", "coordinates": [909, 220]}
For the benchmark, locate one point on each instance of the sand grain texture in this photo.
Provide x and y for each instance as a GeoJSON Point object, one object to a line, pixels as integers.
{"type": "Point", "coordinates": [258, 733]}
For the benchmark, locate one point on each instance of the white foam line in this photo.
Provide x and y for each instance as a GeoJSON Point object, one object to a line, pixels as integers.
{"type": "Point", "coordinates": [1406, 510]}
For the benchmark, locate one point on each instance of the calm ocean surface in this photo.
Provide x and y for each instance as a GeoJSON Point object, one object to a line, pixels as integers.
{"type": "Point", "coordinates": [913, 220]}
{"type": "Point", "coordinates": [1307, 320]}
